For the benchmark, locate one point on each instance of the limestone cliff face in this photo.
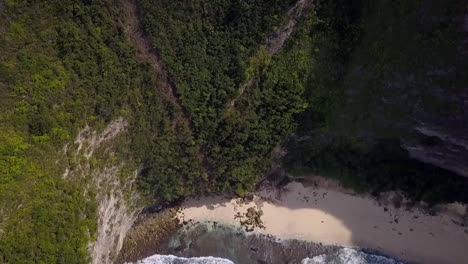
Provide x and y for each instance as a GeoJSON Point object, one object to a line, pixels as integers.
{"type": "Point", "coordinates": [449, 150]}
{"type": "Point", "coordinates": [110, 182]}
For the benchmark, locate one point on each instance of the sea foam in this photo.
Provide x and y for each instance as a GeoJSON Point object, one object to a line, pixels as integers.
{"type": "Point", "coordinates": [170, 259]}
{"type": "Point", "coordinates": [349, 256]}
{"type": "Point", "coordinates": [342, 256]}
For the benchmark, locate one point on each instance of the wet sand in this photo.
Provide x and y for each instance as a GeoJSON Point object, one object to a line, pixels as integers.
{"type": "Point", "coordinates": [334, 216]}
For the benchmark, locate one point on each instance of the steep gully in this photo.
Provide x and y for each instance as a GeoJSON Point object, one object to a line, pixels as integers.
{"type": "Point", "coordinates": [141, 41]}
{"type": "Point", "coordinates": [146, 53]}
{"type": "Point", "coordinates": [276, 41]}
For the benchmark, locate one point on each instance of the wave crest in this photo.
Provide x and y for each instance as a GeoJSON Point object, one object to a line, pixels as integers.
{"type": "Point", "coordinates": [170, 259]}
{"type": "Point", "coordinates": [342, 256]}
{"type": "Point", "coordinates": [349, 256]}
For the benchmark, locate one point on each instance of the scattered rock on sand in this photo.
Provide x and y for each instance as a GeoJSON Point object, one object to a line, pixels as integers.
{"type": "Point", "coordinates": [251, 219]}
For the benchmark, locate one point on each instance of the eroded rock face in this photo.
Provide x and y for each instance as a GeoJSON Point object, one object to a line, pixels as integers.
{"type": "Point", "coordinates": [438, 134]}
{"type": "Point", "coordinates": [115, 218]}
{"type": "Point", "coordinates": [443, 149]}
{"type": "Point", "coordinates": [109, 182]}
{"type": "Point", "coordinates": [148, 234]}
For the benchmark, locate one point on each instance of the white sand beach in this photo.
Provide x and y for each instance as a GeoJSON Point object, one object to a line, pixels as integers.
{"type": "Point", "coordinates": [331, 215]}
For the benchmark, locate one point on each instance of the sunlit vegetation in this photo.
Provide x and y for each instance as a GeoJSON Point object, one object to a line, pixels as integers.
{"type": "Point", "coordinates": [64, 65]}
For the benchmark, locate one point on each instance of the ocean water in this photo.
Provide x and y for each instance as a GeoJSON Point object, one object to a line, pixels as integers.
{"type": "Point", "coordinates": [342, 256]}
{"type": "Point", "coordinates": [349, 256]}
{"type": "Point", "coordinates": [170, 259]}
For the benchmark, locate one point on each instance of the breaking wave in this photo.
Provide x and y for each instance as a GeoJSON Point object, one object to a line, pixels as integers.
{"type": "Point", "coordinates": [170, 259]}
{"type": "Point", "coordinates": [349, 256]}
{"type": "Point", "coordinates": [342, 256]}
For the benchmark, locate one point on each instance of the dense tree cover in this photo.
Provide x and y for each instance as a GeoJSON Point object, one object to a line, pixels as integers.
{"type": "Point", "coordinates": [171, 165]}
{"type": "Point", "coordinates": [347, 131]}
{"type": "Point", "coordinates": [65, 64]}
{"type": "Point", "coordinates": [39, 213]}
{"type": "Point", "coordinates": [212, 48]}
{"type": "Point", "coordinates": [360, 106]}
{"type": "Point", "coordinates": [262, 118]}
{"type": "Point", "coordinates": [206, 46]}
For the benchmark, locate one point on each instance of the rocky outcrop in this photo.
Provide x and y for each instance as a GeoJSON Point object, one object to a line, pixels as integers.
{"type": "Point", "coordinates": [115, 216]}
{"type": "Point", "coordinates": [148, 234]}
{"type": "Point", "coordinates": [443, 149]}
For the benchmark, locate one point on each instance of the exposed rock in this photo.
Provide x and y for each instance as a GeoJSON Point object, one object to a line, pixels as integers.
{"type": "Point", "coordinates": [446, 150]}
{"type": "Point", "coordinates": [251, 219]}
{"type": "Point", "coordinates": [221, 241]}
{"type": "Point", "coordinates": [116, 200]}
{"type": "Point", "coordinates": [145, 238]}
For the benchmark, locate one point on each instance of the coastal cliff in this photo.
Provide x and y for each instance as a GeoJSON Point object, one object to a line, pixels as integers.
{"type": "Point", "coordinates": [113, 108]}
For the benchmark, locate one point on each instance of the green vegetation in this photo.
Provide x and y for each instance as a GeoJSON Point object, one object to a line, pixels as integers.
{"type": "Point", "coordinates": [211, 49]}
{"type": "Point", "coordinates": [337, 66]}
{"type": "Point", "coordinates": [64, 65]}
{"type": "Point", "coordinates": [206, 46]}
{"type": "Point", "coordinates": [171, 167]}
{"type": "Point", "coordinates": [34, 204]}
{"type": "Point", "coordinates": [67, 64]}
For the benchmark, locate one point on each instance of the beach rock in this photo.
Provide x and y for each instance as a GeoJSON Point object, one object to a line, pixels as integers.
{"type": "Point", "coordinates": [251, 219]}
{"type": "Point", "coordinates": [235, 245]}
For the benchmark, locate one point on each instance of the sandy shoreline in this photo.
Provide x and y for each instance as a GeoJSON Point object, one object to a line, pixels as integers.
{"type": "Point", "coordinates": [332, 216]}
